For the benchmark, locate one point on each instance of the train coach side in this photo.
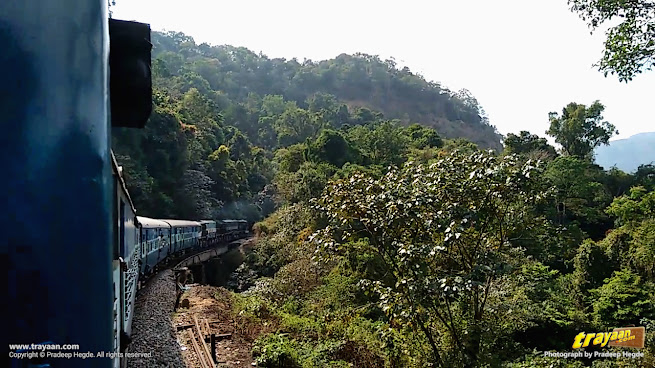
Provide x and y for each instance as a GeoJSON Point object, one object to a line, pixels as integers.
{"type": "Point", "coordinates": [184, 234]}
{"type": "Point", "coordinates": [230, 230]}
{"type": "Point", "coordinates": [208, 236]}
{"type": "Point", "coordinates": [243, 228]}
{"type": "Point", "coordinates": [125, 264]}
{"type": "Point", "coordinates": [154, 242]}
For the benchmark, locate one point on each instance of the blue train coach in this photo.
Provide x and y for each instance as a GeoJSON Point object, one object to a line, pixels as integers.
{"type": "Point", "coordinates": [185, 235]}
{"type": "Point", "coordinates": [125, 264]}
{"type": "Point", "coordinates": [154, 243]}
{"type": "Point", "coordinates": [68, 231]}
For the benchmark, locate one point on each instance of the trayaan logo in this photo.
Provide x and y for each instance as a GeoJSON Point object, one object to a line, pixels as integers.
{"type": "Point", "coordinates": [628, 337]}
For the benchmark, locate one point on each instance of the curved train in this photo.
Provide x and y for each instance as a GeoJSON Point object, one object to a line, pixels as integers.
{"type": "Point", "coordinates": [158, 239]}
{"type": "Point", "coordinates": [143, 244]}
{"type": "Point", "coordinates": [73, 244]}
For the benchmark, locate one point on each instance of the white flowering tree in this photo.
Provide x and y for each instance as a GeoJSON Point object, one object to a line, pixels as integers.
{"type": "Point", "coordinates": [445, 235]}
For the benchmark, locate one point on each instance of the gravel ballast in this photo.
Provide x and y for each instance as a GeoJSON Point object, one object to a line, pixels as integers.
{"type": "Point", "coordinates": [152, 327]}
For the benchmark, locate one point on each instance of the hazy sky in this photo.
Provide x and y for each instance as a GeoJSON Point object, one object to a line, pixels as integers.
{"type": "Point", "coordinates": [520, 59]}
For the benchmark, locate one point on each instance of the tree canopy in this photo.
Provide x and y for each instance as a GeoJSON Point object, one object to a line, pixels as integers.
{"type": "Point", "coordinates": [630, 45]}
{"type": "Point", "coordinates": [580, 129]}
{"type": "Point", "coordinates": [526, 143]}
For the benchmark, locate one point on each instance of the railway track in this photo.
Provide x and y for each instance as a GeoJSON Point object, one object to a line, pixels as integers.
{"type": "Point", "coordinates": [154, 329]}
{"type": "Point", "coordinates": [202, 338]}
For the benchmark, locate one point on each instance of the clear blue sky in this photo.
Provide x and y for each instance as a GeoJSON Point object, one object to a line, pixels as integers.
{"type": "Point", "coordinates": [520, 59]}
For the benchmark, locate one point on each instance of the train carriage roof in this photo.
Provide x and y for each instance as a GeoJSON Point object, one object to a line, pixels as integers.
{"type": "Point", "coordinates": [205, 222]}
{"type": "Point", "coordinates": [180, 223]}
{"type": "Point", "coordinates": [146, 222]}
{"type": "Point", "coordinates": [118, 172]}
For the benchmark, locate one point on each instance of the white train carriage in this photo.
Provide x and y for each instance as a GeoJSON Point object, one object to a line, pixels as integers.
{"type": "Point", "coordinates": [184, 234]}
{"type": "Point", "coordinates": [154, 242]}
{"type": "Point", "coordinates": [125, 264]}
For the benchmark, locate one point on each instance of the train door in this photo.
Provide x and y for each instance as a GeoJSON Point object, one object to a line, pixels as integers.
{"type": "Point", "coordinates": [144, 250]}
{"type": "Point", "coordinates": [176, 238]}
{"type": "Point", "coordinates": [121, 250]}
{"type": "Point", "coordinates": [121, 232]}
{"type": "Point", "coordinates": [162, 243]}
{"type": "Point", "coordinates": [167, 238]}
{"type": "Point", "coordinates": [171, 235]}
{"type": "Point", "coordinates": [116, 271]}
{"type": "Point", "coordinates": [160, 247]}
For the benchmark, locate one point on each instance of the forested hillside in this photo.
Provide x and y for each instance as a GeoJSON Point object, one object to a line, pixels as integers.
{"type": "Point", "coordinates": [222, 113]}
{"type": "Point", "coordinates": [386, 243]}
{"type": "Point", "coordinates": [236, 75]}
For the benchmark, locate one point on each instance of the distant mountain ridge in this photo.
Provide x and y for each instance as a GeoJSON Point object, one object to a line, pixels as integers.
{"type": "Point", "coordinates": [627, 154]}
{"type": "Point", "coordinates": [360, 80]}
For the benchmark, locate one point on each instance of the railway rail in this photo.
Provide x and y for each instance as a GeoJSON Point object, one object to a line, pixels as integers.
{"type": "Point", "coordinates": [202, 338]}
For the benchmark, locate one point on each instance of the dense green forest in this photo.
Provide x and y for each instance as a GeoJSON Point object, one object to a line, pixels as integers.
{"type": "Point", "coordinates": [222, 114]}
{"type": "Point", "coordinates": [394, 228]}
